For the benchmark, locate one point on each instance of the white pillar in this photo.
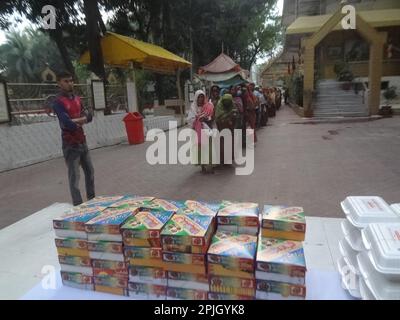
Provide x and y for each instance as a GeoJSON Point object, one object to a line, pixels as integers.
{"type": "Point", "coordinates": [131, 92]}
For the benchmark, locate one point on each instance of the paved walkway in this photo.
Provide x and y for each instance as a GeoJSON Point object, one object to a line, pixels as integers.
{"type": "Point", "coordinates": [314, 166]}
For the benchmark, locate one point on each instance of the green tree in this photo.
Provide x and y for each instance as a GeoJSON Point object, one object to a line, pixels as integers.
{"type": "Point", "coordinates": [17, 56]}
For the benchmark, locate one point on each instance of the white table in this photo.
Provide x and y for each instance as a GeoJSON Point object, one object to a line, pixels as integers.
{"type": "Point", "coordinates": [28, 247]}
{"type": "Point", "coordinates": [321, 285]}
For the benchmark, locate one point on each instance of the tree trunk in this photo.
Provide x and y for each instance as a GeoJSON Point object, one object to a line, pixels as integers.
{"type": "Point", "coordinates": [91, 11]}
{"type": "Point", "coordinates": [56, 35]}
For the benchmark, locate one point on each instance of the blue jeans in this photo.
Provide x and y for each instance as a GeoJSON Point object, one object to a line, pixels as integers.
{"type": "Point", "coordinates": [75, 156]}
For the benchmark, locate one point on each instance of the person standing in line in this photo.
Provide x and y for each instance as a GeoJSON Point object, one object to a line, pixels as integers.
{"type": "Point", "coordinates": [250, 101]}
{"type": "Point", "coordinates": [201, 117]}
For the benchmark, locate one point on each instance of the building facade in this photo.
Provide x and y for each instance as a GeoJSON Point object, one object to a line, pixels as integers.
{"type": "Point", "coordinates": [316, 44]}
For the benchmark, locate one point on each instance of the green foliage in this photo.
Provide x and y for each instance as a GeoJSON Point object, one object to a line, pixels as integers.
{"type": "Point", "coordinates": [193, 29]}
{"type": "Point", "coordinates": [82, 72]}
{"type": "Point", "coordinates": [390, 94]}
{"type": "Point", "coordinates": [25, 55]}
{"type": "Point", "coordinates": [343, 72]}
{"type": "Point", "coordinates": [295, 86]}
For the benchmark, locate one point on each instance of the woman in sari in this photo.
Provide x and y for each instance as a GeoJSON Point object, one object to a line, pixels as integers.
{"type": "Point", "coordinates": [201, 117]}
{"type": "Point", "coordinates": [225, 117]}
{"type": "Point", "coordinates": [250, 102]}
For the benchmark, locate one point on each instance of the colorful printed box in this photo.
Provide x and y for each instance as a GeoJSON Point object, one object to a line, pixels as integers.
{"type": "Point", "coordinates": [80, 286]}
{"type": "Point", "coordinates": [273, 290]}
{"type": "Point", "coordinates": [72, 247]}
{"type": "Point", "coordinates": [200, 207]}
{"type": "Point", "coordinates": [188, 233]}
{"type": "Point", "coordinates": [280, 260]}
{"type": "Point", "coordinates": [238, 229]}
{"type": "Point", "coordinates": [113, 282]}
{"type": "Point", "coordinates": [232, 215]}
{"type": "Point", "coordinates": [101, 201]}
{"type": "Point", "coordinates": [149, 275]}
{"type": "Point", "coordinates": [147, 291]}
{"type": "Point", "coordinates": [72, 223]}
{"type": "Point", "coordinates": [283, 222]}
{"type": "Point", "coordinates": [112, 290]}
{"type": "Point", "coordinates": [186, 294]}
{"type": "Point", "coordinates": [185, 262]}
{"type": "Point", "coordinates": [107, 264]}
{"type": "Point", "coordinates": [144, 228]}
{"type": "Point", "coordinates": [146, 257]}
{"type": "Point", "coordinates": [225, 296]}
{"type": "Point", "coordinates": [230, 285]}
{"type": "Point", "coordinates": [76, 277]}
{"type": "Point", "coordinates": [107, 268]}
{"type": "Point", "coordinates": [106, 250]}
{"type": "Point", "coordinates": [106, 246]}
{"type": "Point", "coordinates": [75, 261]}
{"type": "Point", "coordinates": [75, 264]}
{"type": "Point", "coordinates": [188, 280]}
{"type": "Point", "coordinates": [132, 201]}
{"type": "Point", "coordinates": [232, 255]}
{"type": "Point", "coordinates": [106, 226]}
{"type": "Point", "coordinates": [165, 205]}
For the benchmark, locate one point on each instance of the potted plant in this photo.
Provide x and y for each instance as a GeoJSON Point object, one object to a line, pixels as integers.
{"type": "Point", "coordinates": [344, 74]}
{"type": "Point", "coordinates": [389, 94]}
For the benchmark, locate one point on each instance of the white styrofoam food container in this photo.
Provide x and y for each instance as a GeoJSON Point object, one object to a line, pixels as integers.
{"type": "Point", "coordinates": [366, 294]}
{"type": "Point", "coordinates": [381, 287]}
{"type": "Point", "coordinates": [382, 240]}
{"type": "Point", "coordinates": [350, 280]}
{"type": "Point", "coordinates": [352, 235]}
{"type": "Point", "coordinates": [350, 256]}
{"type": "Point", "coordinates": [362, 210]}
{"type": "Point", "coordinates": [396, 207]}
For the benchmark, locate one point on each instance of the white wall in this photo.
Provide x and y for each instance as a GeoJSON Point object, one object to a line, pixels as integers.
{"type": "Point", "coordinates": [22, 145]}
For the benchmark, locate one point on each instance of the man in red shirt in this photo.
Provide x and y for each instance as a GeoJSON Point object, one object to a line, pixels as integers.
{"type": "Point", "coordinates": [72, 117]}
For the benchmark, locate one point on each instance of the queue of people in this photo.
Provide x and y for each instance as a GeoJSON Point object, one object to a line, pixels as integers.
{"type": "Point", "coordinates": [238, 107]}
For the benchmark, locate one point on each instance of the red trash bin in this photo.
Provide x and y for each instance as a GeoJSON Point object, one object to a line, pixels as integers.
{"type": "Point", "coordinates": [134, 127]}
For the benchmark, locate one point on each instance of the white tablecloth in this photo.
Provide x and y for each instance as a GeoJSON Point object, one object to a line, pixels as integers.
{"type": "Point", "coordinates": [321, 285]}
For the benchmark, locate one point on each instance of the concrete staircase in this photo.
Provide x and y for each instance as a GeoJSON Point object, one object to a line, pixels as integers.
{"type": "Point", "coordinates": [332, 101]}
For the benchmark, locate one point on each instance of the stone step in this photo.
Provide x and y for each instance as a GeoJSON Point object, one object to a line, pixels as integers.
{"type": "Point", "coordinates": [336, 115]}
{"type": "Point", "coordinates": [347, 102]}
{"type": "Point", "coordinates": [338, 106]}
{"type": "Point", "coordinates": [339, 110]}
{"type": "Point", "coordinates": [344, 94]}
{"type": "Point", "coordinates": [340, 114]}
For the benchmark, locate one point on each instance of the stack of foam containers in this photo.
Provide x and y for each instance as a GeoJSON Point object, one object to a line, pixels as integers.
{"type": "Point", "coordinates": [379, 265]}
{"type": "Point", "coordinates": [360, 211]}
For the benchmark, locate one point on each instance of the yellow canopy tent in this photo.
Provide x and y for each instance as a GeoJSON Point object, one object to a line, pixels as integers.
{"type": "Point", "coordinates": [122, 51]}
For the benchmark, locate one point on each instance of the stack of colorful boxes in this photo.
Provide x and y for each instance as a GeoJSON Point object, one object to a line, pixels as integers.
{"type": "Point", "coordinates": [141, 236]}
{"type": "Point", "coordinates": [185, 240]}
{"type": "Point", "coordinates": [280, 267]}
{"type": "Point", "coordinates": [282, 222]}
{"type": "Point", "coordinates": [231, 259]}
{"type": "Point", "coordinates": [72, 245]}
{"type": "Point", "coordinates": [151, 248]}
{"type": "Point", "coordinates": [106, 249]}
{"type": "Point", "coordinates": [240, 217]}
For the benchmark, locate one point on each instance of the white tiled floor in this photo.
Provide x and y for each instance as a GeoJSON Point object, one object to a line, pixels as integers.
{"type": "Point", "coordinates": [28, 245]}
